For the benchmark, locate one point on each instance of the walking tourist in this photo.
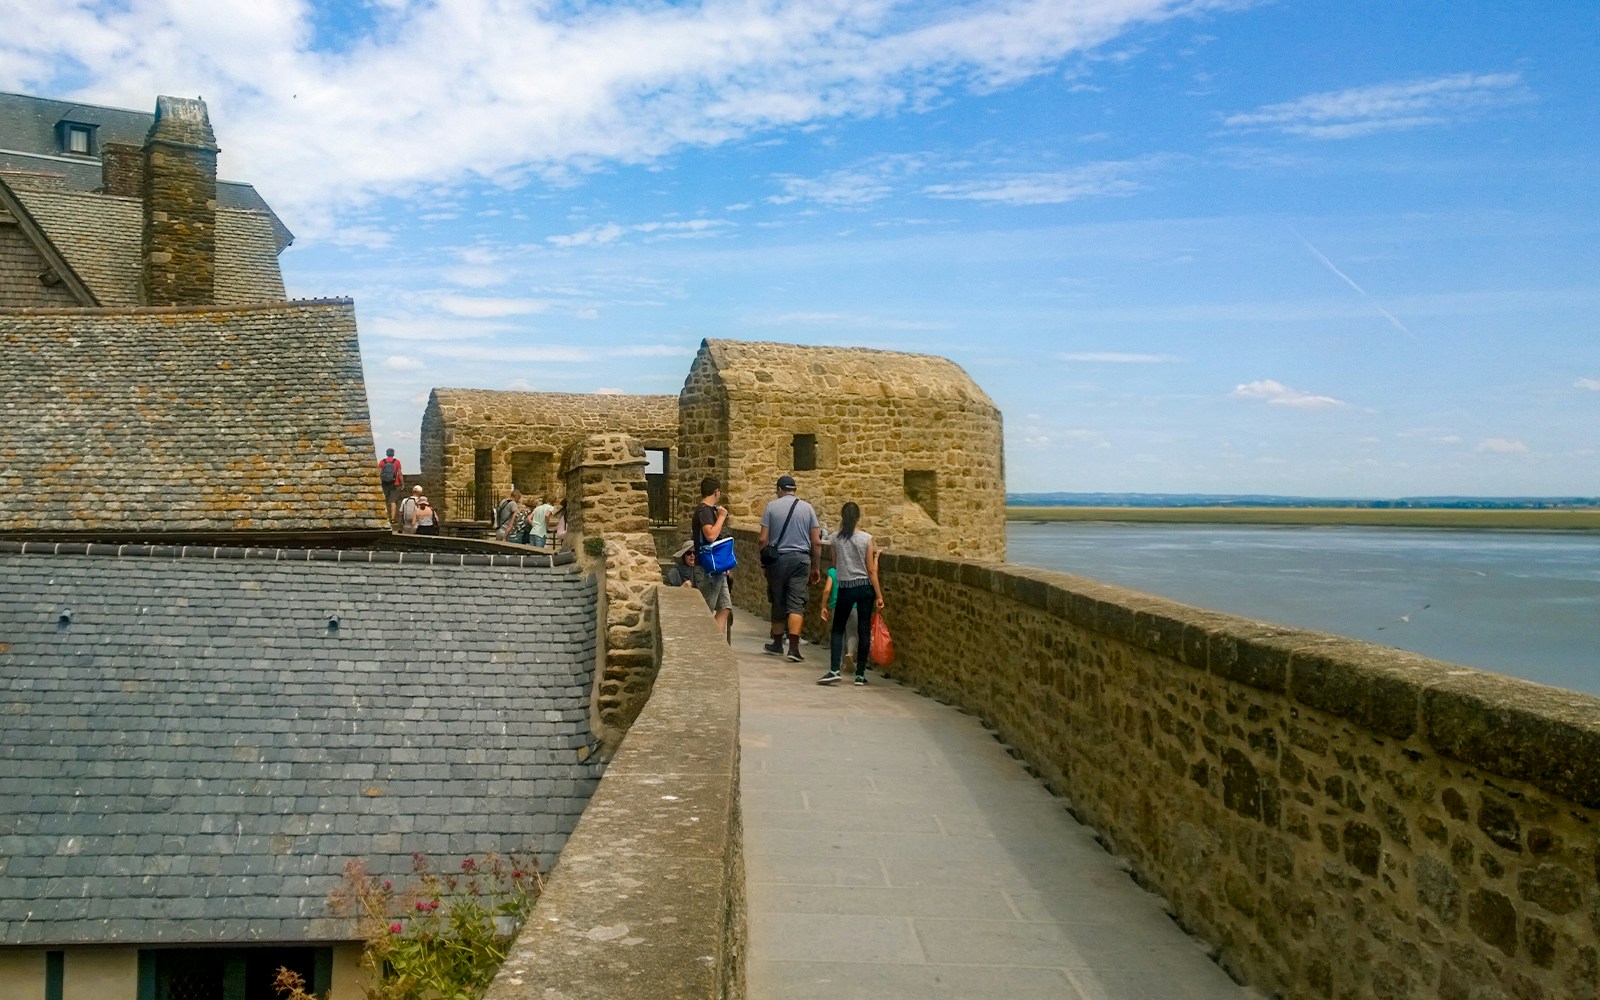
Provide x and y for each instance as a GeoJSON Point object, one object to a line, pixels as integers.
{"type": "Point", "coordinates": [428, 519]}
{"type": "Point", "coordinates": [710, 517]}
{"type": "Point", "coordinates": [790, 526]}
{"type": "Point", "coordinates": [539, 524]}
{"type": "Point", "coordinates": [855, 557]}
{"type": "Point", "coordinates": [830, 597]}
{"type": "Point", "coordinates": [393, 482]}
{"type": "Point", "coordinates": [408, 512]}
{"type": "Point", "coordinates": [505, 512]}
{"type": "Point", "coordinates": [521, 523]}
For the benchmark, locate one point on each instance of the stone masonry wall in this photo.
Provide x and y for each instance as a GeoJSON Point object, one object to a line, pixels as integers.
{"type": "Point", "coordinates": [1343, 819]}
{"type": "Point", "coordinates": [538, 426]}
{"type": "Point", "coordinates": [608, 525]}
{"type": "Point", "coordinates": [180, 206]}
{"type": "Point", "coordinates": [901, 435]}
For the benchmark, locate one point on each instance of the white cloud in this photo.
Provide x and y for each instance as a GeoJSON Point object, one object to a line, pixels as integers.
{"type": "Point", "coordinates": [1502, 446]}
{"type": "Point", "coordinates": [861, 184]}
{"type": "Point", "coordinates": [1344, 114]}
{"type": "Point", "coordinates": [1116, 358]}
{"type": "Point", "coordinates": [1278, 394]}
{"type": "Point", "coordinates": [1591, 384]}
{"type": "Point", "coordinates": [551, 90]}
{"type": "Point", "coordinates": [402, 363]}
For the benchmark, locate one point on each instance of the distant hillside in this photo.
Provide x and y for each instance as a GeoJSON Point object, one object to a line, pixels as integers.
{"type": "Point", "coordinates": [1268, 500]}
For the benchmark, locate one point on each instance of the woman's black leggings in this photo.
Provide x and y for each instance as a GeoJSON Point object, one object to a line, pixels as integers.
{"type": "Point", "coordinates": [864, 600]}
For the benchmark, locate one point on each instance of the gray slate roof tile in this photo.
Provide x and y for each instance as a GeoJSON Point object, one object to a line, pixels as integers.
{"type": "Point", "coordinates": [170, 784]}
{"type": "Point", "coordinates": [249, 418]}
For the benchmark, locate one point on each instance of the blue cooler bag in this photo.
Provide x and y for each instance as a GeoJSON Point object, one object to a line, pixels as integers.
{"type": "Point", "coordinates": [716, 557]}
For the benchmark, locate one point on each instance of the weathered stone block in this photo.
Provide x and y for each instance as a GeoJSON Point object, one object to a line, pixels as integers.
{"type": "Point", "coordinates": [1494, 919]}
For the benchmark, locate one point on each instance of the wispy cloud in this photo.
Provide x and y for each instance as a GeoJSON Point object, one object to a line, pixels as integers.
{"type": "Point", "coordinates": [1278, 394]}
{"type": "Point", "coordinates": [1591, 384]}
{"type": "Point", "coordinates": [1386, 107]}
{"type": "Point", "coordinates": [860, 184]}
{"type": "Point", "coordinates": [402, 363]}
{"type": "Point", "coordinates": [863, 321]}
{"type": "Point", "coordinates": [1502, 446]}
{"type": "Point", "coordinates": [1117, 358]}
{"type": "Point", "coordinates": [1109, 179]}
{"type": "Point", "coordinates": [611, 232]}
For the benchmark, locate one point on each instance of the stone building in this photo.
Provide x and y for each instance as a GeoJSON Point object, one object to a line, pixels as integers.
{"type": "Point", "coordinates": [479, 443]}
{"type": "Point", "coordinates": [909, 437]}
{"type": "Point", "coordinates": [107, 221]}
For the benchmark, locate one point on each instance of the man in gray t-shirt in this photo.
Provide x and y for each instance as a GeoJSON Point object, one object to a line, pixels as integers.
{"type": "Point", "coordinates": [792, 527]}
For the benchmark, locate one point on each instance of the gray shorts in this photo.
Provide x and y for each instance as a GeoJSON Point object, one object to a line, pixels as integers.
{"type": "Point", "coordinates": [714, 588]}
{"type": "Point", "coordinates": [789, 584]}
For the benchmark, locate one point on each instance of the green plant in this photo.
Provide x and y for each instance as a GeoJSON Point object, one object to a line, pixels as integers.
{"type": "Point", "coordinates": [442, 936]}
{"type": "Point", "coordinates": [594, 546]}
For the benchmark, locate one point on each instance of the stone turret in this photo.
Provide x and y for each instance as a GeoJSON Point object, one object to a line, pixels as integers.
{"type": "Point", "coordinates": [180, 205]}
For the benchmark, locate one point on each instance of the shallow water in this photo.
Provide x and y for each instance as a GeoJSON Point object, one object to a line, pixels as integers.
{"type": "Point", "coordinates": [1515, 602]}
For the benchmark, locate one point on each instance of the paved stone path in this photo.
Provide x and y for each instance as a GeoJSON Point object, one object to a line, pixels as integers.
{"type": "Point", "coordinates": [894, 850]}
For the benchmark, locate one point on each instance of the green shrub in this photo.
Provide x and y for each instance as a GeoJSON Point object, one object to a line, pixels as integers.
{"type": "Point", "coordinates": [441, 936]}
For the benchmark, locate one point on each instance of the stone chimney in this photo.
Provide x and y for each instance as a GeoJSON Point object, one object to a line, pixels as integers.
{"type": "Point", "coordinates": [180, 206]}
{"type": "Point", "coordinates": [122, 169]}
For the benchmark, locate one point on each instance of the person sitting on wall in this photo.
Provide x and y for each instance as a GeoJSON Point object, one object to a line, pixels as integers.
{"type": "Point", "coordinates": [681, 572]}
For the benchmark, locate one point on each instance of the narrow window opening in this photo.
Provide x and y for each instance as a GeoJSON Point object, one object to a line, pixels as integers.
{"type": "Point", "coordinates": [805, 452]}
{"type": "Point", "coordinates": [922, 488]}
{"type": "Point", "coordinates": [55, 963]}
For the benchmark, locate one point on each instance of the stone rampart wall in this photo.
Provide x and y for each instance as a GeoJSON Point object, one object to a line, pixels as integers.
{"type": "Point", "coordinates": [1343, 820]}
{"type": "Point", "coordinates": [648, 898]}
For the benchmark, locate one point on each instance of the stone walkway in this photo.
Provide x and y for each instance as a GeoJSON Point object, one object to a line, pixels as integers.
{"type": "Point", "coordinates": [894, 850]}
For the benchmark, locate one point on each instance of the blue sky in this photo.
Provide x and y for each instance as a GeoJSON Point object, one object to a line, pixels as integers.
{"type": "Point", "coordinates": [1309, 248]}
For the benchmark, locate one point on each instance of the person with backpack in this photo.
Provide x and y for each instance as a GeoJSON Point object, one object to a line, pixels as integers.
{"type": "Point", "coordinates": [505, 513]}
{"type": "Point", "coordinates": [393, 482]}
{"type": "Point", "coordinates": [791, 564]}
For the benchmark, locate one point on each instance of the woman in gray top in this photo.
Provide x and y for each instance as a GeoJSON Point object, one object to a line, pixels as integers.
{"type": "Point", "coordinates": [855, 561]}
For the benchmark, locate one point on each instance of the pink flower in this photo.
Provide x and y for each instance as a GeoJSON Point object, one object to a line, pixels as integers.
{"type": "Point", "coordinates": [387, 884]}
{"type": "Point", "coordinates": [433, 904]}
{"type": "Point", "coordinates": [468, 865]}
{"type": "Point", "coordinates": [396, 927]}
{"type": "Point", "coordinates": [421, 905]}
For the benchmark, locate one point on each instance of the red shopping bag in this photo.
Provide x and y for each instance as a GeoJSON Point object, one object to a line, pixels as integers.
{"type": "Point", "coordinates": [882, 643]}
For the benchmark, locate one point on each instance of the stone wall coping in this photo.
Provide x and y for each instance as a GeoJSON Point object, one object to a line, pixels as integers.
{"type": "Point", "coordinates": [647, 898]}
{"type": "Point", "coordinates": [362, 555]}
{"type": "Point", "coordinates": [1518, 729]}
{"type": "Point", "coordinates": [175, 310]}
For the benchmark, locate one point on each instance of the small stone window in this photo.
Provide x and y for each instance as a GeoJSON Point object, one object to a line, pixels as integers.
{"type": "Point", "coordinates": [805, 452]}
{"type": "Point", "coordinates": [922, 488]}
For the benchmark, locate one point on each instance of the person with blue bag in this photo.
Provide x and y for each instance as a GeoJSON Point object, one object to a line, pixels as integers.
{"type": "Point", "coordinates": [714, 554]}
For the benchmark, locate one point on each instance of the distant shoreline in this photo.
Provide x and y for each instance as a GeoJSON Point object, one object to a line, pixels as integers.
{"type": "Point", "coordinates": [1374, 517]}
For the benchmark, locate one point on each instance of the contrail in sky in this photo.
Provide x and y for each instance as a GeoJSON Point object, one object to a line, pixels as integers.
{"type": "Point", "coordinates": [1347, 280]}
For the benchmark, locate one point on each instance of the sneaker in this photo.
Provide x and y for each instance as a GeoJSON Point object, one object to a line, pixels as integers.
{"type": "Point", "coordinates": [795, 657]}
{"type": "Point", "coordinates": [861, 680]}
{"type": "Point", "coordinates": [831, 677]}
{"type": "Point", "coordinates": [774, 648]}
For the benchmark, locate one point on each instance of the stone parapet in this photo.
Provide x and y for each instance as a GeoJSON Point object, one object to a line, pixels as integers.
{"type": "Point", "coordinates": [1342, 819]}
{"type": "Point", "coordinates": [608, 524]}
{"type": "Point", "coordinates": [648, 898]}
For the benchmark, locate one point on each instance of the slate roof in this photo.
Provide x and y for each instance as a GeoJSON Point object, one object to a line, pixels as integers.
{"type": "Point", "coordinates": [191, 754]}
{"type": "Point", "coordinates": [757, 370]}
{"type": "Point", "coordinates": [141, 421]}
{"type": "Point", "coordinates": [28, 142]}
{"type": "Point", "coordinates": [100, 236]}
